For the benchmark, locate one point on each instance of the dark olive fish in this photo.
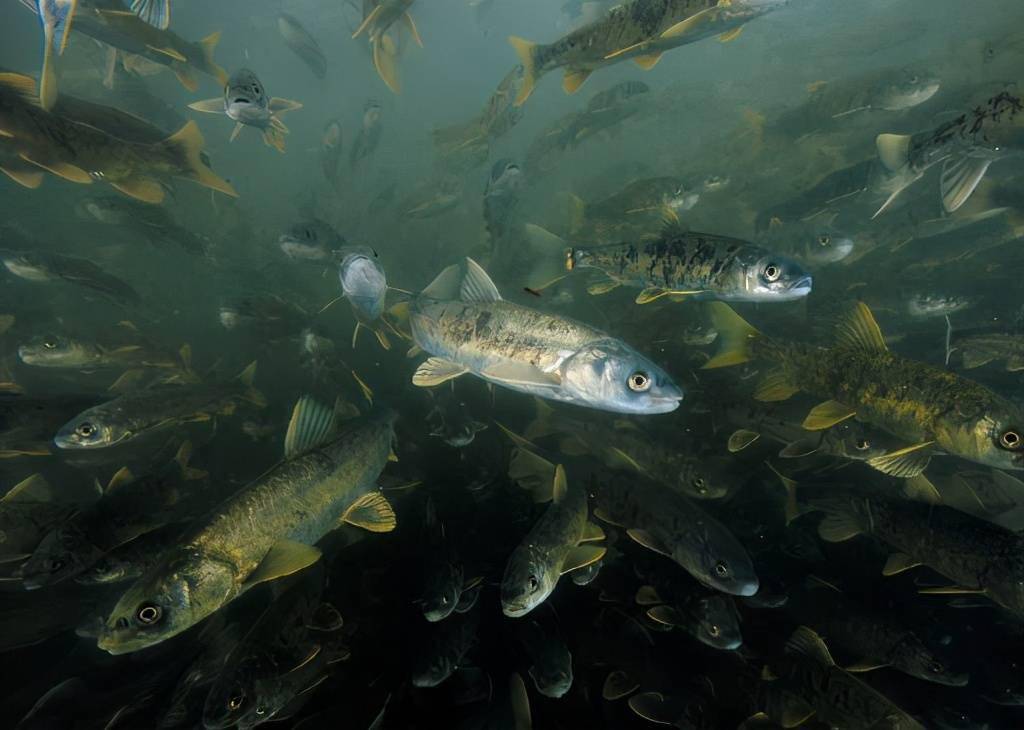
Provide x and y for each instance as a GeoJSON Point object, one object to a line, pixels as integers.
{"type": "Point", "coordinates": [44, 266]}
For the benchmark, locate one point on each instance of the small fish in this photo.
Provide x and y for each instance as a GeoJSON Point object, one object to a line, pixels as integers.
{"type": "Point", "coordinates": [154, 222]}
{"type": "Point", "coordinates": [365, 286]}
{"type": "Point", "coordinates": [501, 197]}
{"type": "Point", "coordinates": [981, 348]}
{"type": "Point", "coordinates": [30, 509]}
{"type": "Point", "coordinates": [461, 320]}
{"type": "Point", "coordinates": [676, 602]}
{"type": "Point", "coordinates": [311, 240]}
{"type": "Point", "coordinates": [452, 422]}
{"type": "Point", "coordinates": [551, 660]}
{"type": "Point", "coordinates": [246, 102]}
{"type": "Point", "coordinates": [302, 44]}
{"type": "Point", "coordinates": [267, 314]}
{"type": "Point", "coordinates": [641, 203]}
{"type": "Point", "coordinates": [604, 112]}
{"type": "Point", "coordinates": [444, 649]}
{"type": "Point", "coordinates": [810, 243]}
{"type": "Point", "coordinates": [45, 266]}
{"type": "Point", "coordinates": [558, 543]}
{"type": "Point", "coordinates": [368, 138]}
{"type": "Point", "coordinates": [926, 305]}
{"type": "Point", "coordinates": [446, 588]}
{"type": "Point", "coordinates": [330, 151]}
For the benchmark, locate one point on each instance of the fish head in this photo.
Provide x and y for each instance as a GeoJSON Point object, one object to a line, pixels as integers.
{"type": "Point", "coordinates": [232, 698]}
{"type": "Point", "coordinates": [553, 678]}
{"type": "Point", "coordinates": [527, 582]}
{"type": "Point", "coordinates": [182, 589]}
{"type": "Point", "coordinates": [229, 317]}
{"type": "Point", "coordinates": [442, 593]}
{"type": "Point", "coordinates": [712, 555]}
{"type": "Point", "coordinates": [699, 480]}
{"type": "Point", "coordinates": [245, 99]}
{"type": "Point", "coordinates": [102, 209]}
{"type": "Point", "coordinates": [307, 240]}
{"type": "Point", "coordinates": [774, 278]}
{"type": "Point", "coordinates": [610, 375]}
{"type": "Point", "coordinates": [331, 138]}
{"type": "Point", "coordinates": [63, 553]}
{"type": "Point", "coordinates": [860, 441]}
{"type": "Point", "coordinates": [718, 624]}
{"type": "Point", "coordinates": [371, 114]}
{"type": "Point", "coordinates": [826, 245]}
{"type": "Point", "coordinates": [994, 436]}
{"type": "Point", "coordinates": [363, 281]}
{"type": "Point", "coordinates": [506, 177]}
{"type": "Point", "coordinates": [94, 428]}
{"type": "Point", "coordinates": [25, 266]}
{"type": "Point", "coordinates": [907, 89]}
{"type": "Point", "coordinates": [50, 350]}
{"type": "Point", "coordinates": [917, 660]}
{"type": "Point", "coordinates": [936, 305]}
{"type": "Point", "coordinates": [680, 197]}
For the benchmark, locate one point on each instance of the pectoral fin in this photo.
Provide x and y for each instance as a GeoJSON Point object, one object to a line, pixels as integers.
{"type": "Point", "coordinates": [581, 556]}
{"type": "Point", "coordinates": [642, 537]}
{"type": "Point", "coordinates": [826, 415]}
{"type": "Point", "coordinates": [774, 387]}
{"type": "Point", "coordinates": [904, 463]}
{"type": "Point", "coordinates": [435, 371]}
{"type": "Point", "coordinates": [602, 287]}
{"type": "Point", "coordinates": [649, 61]}
{"type": "Point", "coordinates": [730, 35]}
{"type": "Point", "coordinates": [371, 512]}
{"type": "Point", "coordinates": [960, 176]}
{"type": "Point", "coordinates": [27, 176]}
{"type": "Point", "coordinates": [866, 665]}
{"type": "Point", "coordinates": [899, 562]}
{"type": "Point", "coordinates": [208, 106]}
{"type": "Point", "coordinates": [741, 439]}
{"type": "Point", "coordinates": [521, 374]}
{"type": "Point", "coordinates": [284, 558]}
{"type": "Point", "coordinates": [649, 294]}
{"type": "Point", "coordinates": [592, 533]}
{"type": "Point", "coordinates": [143, 189]}
{"type": "Point", "coordinates": [800, 448]}
{"type": "Point", "coordinates": [573, 79]}
{"type": "Point", "coordinates": [280, 106]}
{"type": "Point", "coordinates": [170, 52]}
{"type": "Point", "coordinates": [664, 615]}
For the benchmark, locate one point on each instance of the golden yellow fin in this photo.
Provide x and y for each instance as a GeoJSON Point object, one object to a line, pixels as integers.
{"type": "Point", "coordinates": [370, 17]}
{"type": "Point", "coordinates": [899, 562]}
{"type": "Point", "coordinates": [527, 53]}
{"type": "Point", "coordinates": [734, 338]}
{"type": "Point", "coordinates": [774, 387]}
{"type": "Point", "coordinates": [581, 556]}
{"type": "Point", "coordinates": [384, 62]}
{"type": "Point", "coordinates": [592, 533]}
{"type": "Point", "coordinates": [29, 177]}
{"type": "Point", "coordinates": [649, 61]}
{"type": "Point", "coordinates": [858, 330]}
{"type": "Point", "coordinates": [371, 512]}
{"type": "Point", "coordinates": [574, 79]}
{"type": "Point", "coordinates": [647, 596]}
{"type": "Point", "coordinates": [730, 35]}
{"type": "Point", "coordinates": [143, 189]}
{"type": "Point", "coordinates": [828, 414]}
{"type": "Point", "coordinates": [903, 463]}
{"type": "Point", "coordinates": [188, 143]}
{"type": "Point", "coordinates": [602, 287]}
{"type": "Point", "coordinates": [691, 24]}
{"type": "Point", "coordinates": [121, 477]}
{"type": "Point", "coordinates": [186, 75]}
{"type": "Point", "coordinates": [62, 169]}
{"type": "Point", "coordinates": [284, 558]}
{"type": "Point", "coordinates": [209, 45]}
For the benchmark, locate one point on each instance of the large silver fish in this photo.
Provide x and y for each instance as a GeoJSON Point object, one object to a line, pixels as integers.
{"type": "Point", "coordinates": [365, 286]}
{"type": "Point", "coordinates": [462, 321]}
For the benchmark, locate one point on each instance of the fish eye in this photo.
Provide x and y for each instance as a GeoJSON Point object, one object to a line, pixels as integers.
{"type": "Point", "coordinates": [148, 614]}
{"type": "Point", "coordinates": [50, 342]}
{"type": "Point", "coordinates": [1010, 439]}
{"type": "Point", "coordinates": [639, 381]}
{"type": "Point", "coordinates": [714, 630]}
{"type": "Point", "coordinates": [235, 701]}
{"type": "Point", "coordinates": [261, 710]}
{"type": "Point", "coordinates": [533, 583]}
{"type": "Point", "coordinates": [54, 565]}
{"type": "Point", "coordinates": [913, 79]}
{"type": "Point", "coordinates": [85, 429]}
{"type": "Point", "coordinates": [721, 570]}
{"type": "Point", "coordinates": [772, 272]}
{"type": "Point", "coordinates": [935, 668]}
{"type": "Point", "coordinates": [862, 444]}
{"type": "Point", "coordinates": [444, 600]}
{"type": "Point", "coordinates": [824, 239]}
{"type": "Point", "coordinates": [700, 485]}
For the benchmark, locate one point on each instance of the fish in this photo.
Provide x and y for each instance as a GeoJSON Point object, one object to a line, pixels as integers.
{"type": "Point", "coordinates": [302, 44]}
{"type": "Point", "coordinates": [368, 137]}
{"type": "Point", "coordinates": [331, 475]}
{"type": "Point", "coordinates": [56, 18]}
{"type": "Point", "coordinates": [109, 22]}
{"type": "Point", "coordinates": [551, 660]}
{"type": "Point", "coordinates": [330, 151]}
{"type": "Point", "coordinates": [446, 587]}
{"type": "Point", "coordinates": [246, 102]}
{"type": "Point", "coordinates": [979, 556]}
{"type": "Point", "coordinates": [966, 146]}
{"type": "Point", "coordinates": [605, 111]}
{"type": "Point", "coordinates": [63, 352]}
{"type": "Point", "coordinates": [27, 424]}
{"type": "Point", "coordinates": [30, 509]}
{"type": "Point", "coordinates": [433, 197]}
{"type": "Point", "coordinates": [45, 266]}
{"type": "Point", "coordinates": [930, 408]}
{"type": "Point", "coordinates": [641, 30]}
{"type": "Point", "coordinates": [461, 320]}
{"type": "Point", "coordinates": [154, 222]}
{"type": "Point", "coordinates": [813, 244]}
{"type": "Point", "coordinates": [286, 651]}
{"type": "Point", "coordinates": [501, 198]}
{"type": "Point", "coordinates": [640, 203]}
{"type": "Point", "coordinates": [444, 649]}
{"type": "Point", "coordinates": [924, 305]}
{"type": "Point", "coordinates": [87, 154]}
{"type": "Point", "coordinates": [815, 686]}
{"type": "Point", "coordinates": [683, 264]}
{"type": "Point", "coordinates": [668, 523]}
{"type": "Point", "coordinates": [379, 16]}
{"type": "Point", "coordinates": [131, 506]}
{"type": "Point", "coordinates": [709, 617]}
{"type": "Point", "coordinates": [558, 543]}
{"type": "Point", "coordinates": [311, 240]}
{"type": "Point", "coordinates": [130, 560]}
{"type": "Point", "coordinates": [365, 286]}
{"type": "Point", "coordinates": [452, 422]}
{"type": "Point", "coordinates": [155, 410]}
{"type": "Point", "coordinates": [980, 348]}
{"type": "Point", "coordinates": [269, 315]}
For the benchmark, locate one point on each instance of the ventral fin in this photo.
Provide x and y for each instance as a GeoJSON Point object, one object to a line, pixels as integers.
{"type": "Point", "coordinates": [208, 106]}
{"type": "Point", "coordinates": [741, 439]}
{"type": "Point", "coordinates": [828, 414]}
{"type": "Point", "coordinates": [573, 79]}
{"type": "Point", "coordinates": [436, 370]}
{"type": "Point", "coordinates": [648, 61]}
{"type": "Point", "coordinates": [960, 176]}
{"type": "Point", "coordinates": [774, 387]}
{"type": "Point", "coordinates": [643, 537]}
{"type": "Point", "coordinates": [371, 512]}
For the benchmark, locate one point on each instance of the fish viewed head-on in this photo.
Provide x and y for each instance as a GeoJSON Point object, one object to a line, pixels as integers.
{"type": "Point", "coordinates": [612, 376]}
{"type": "Point", "coordinates": [175, 594]}
{"type": "Point", "coordinates": [716, 558]}
{"type": "Point", "coordinates": [527, 582]}
{"type": "Point", "coordinates": [717, 623]}
{"type": "Point", "coordinates": [95, 428]}
{"type": "Point", "coordinates": [860, 441]}
{"type": "Point", "coordinates": [554, 680]}
{"type": "Point", "coordinates": [907, 89]}
{"type": "Point", "coordinates": [696, 480]}
{"type": "Point", "coordinates": [775, 279]}
{"type": "Point", "coordinates": [363, 281]}
{"type": "Point", "coordinates": [441, 594]}
{"type": "Point", "coordinates": [245, 99]}
{"type": "Point", "coordinates": [62, 554]}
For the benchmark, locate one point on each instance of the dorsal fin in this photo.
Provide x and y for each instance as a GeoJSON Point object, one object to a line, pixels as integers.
{"type": "Point", "coordinates": [560, 486]}
{"type": "Point", "coordinates": [445, 285]}
{"type": "Point", "coordinates": [858, 330]}
{"type": "Point", "coordinates": [806, 642]}
{"type": "Point", "coordinates": [477, 285]}
{"type": "Point", "coordinates": [311, 424]}
{"type": "Point", "coordinates": [121, 477]}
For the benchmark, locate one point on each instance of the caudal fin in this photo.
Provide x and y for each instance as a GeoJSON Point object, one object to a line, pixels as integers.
{"type": "Point", "coordinates": [527, 55]}
{"type": "Point", "coordinates": [208, 46]}
{"type": "Point", "coordinates": [188, 143]}
{"type": "Point", "coordinates": [735, 335]}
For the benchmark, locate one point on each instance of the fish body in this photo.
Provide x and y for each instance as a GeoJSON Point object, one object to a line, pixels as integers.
{"type": "Point", "coordinates": [45, 266]}
{"type": "Point", "coordinates": [444, 649]}
{"type": "Point", "coordinates": [966, 146]}
{"type": "Point", "coordinates": [677, 602]}
{"type": "Point", "coordinates": [59, 351]}
{"type": "Point", "coordinates": [642, 203]}
{"type": "Point", "coordinates": [368, 138]}
{"type": "Point", "coordinates": [153, 221]}
{"type": "Point", "coordinates": [926, 305]}
{"type": "Point", "coordinates": [670, 524]}
{"type": "Point", "coordinates": [604, 111]}
{"type": "Point", "coordinates": [311, 240]}
{"type": "Point", "coordinates": [462, 321]}
{"type": "Point", "coordinates": [638, 29]}
{"type": "Point", "coordinates": [501, 197]}
{"type": "Point", "coordinates": [810, 243]}
{"type": "Point", "coordinates": [551, 548]}
{"type": "Point", "coordinates": [702, 266]}
{"type": "Point", "coordinates": [365, 286]}
{"type": "Point", "coordinates": [551, 660]}
{"type": "Point", "coordinates": [277, 518]}
{"type": "Point", "coordinates": [246, 102]}
{"type": "Point", "coordinates": [268, 314]}
{"type": "Point", "coordinates": [29, 510]}
{"type": "Point", "coordinates": [978, 349]}
{"type": "Point", "coordinates": [142, 412]}
{"type": "Point", "coordinates": [86, 154]}
{"type": "Point", "coordinates": [918, 403]}
{"type": "Point", "coordinates": [302, 44]}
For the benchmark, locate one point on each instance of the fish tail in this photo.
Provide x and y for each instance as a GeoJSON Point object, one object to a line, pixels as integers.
{"type": "Point", "coordinates": [735, 336]}
{"type": "Point", "coordinates": [527, 53]}
{"type": "Point", "coordinates": [247, 377]}
{"type": "Point", "coordinates": [208, 46]}
{"type": "Point", "coordinates": [188, 142]}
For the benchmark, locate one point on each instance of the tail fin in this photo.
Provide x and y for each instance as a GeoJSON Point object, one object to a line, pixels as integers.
{"type": "Point", "coordinates": [246, 378]}
{"type": "Point", "coordinates": [208, 45]}
{"type": "Point", "coordinates": [527, 54]}
{"type": "Point", "coordinates": [188, 142]}
{"type": "Point", "coordinates": [734, 335]}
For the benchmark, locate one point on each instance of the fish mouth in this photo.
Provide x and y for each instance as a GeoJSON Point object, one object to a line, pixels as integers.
{"type": "Point", "coordinates": [802, 286]}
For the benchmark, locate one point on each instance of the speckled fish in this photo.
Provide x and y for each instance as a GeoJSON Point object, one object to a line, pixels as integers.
{"type": "Point", "coordinates": [246, 102]}
{"type": "Point", "coordinates": [365, 286]}
{"type": "Point", "coordinates": [685, 264]}
{"type": "Point", "coordinates": [930, 408]}
{"type": "Point", "coordinates": [302, 44]}
{"type": "Point", "coordinates": [670, 524]}
{"type": "Point", "coordinates": [464, 324]}
{"type": "Point", "coordinates": [109, 22]}
{"type": "Point", "coordinates": [86, 154]}
{"type": "Point", "coordinates": [46, 266]}
{"type": "Point", "coordinates": [639, 29]}
{"type": "Point", "coordinates": [966, 146]}
{"type": "Point", "coordinates": [605, 110]}
{"type": "Point", "coordinates": [142, 412]}
{"type": "Point", "coordinates": [815, 686]}
{"type": "Point", "coordinates": [640, 203]}
{"type": "Point", "coordinates": [556, 544]}
{"type": "Point", "coordinates": [266, 530]}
